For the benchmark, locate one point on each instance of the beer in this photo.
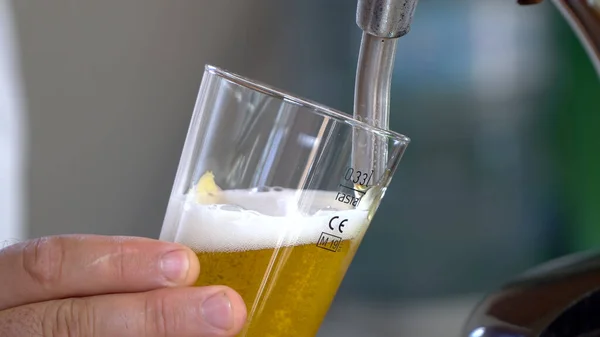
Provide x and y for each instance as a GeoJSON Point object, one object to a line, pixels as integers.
{"type": "Point", "coordinates": [285, 251]}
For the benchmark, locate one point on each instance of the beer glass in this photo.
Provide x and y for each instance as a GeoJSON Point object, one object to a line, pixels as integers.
{"type": "Point", "coordinates": [269, 196]}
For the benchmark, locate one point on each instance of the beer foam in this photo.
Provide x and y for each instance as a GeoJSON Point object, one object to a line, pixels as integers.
{"type": "Point", "coordinates": [251, 220]}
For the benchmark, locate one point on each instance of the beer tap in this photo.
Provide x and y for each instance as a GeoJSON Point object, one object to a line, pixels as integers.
{"type": "Point", "coordinates": [383, 22]}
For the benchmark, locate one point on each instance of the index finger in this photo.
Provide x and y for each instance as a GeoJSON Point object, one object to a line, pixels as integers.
{"type": "Point", "coordinates": [84, 265]}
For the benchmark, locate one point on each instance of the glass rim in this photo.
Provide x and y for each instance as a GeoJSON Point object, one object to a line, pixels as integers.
{"type": "Point", "coordinates": [291, 98]}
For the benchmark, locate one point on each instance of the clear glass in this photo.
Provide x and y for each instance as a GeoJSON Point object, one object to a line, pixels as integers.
{"type": "Point", "coordinates": [269, 196]}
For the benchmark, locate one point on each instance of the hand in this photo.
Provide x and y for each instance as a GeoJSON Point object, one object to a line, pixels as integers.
{"type": "Point", "coordinates": [80, 285]}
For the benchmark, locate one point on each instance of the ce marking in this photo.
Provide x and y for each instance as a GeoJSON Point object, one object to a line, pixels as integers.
{"type": "Point", "coordinates": [340, 224]}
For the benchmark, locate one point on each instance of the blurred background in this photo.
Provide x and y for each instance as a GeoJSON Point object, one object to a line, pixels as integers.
{"type": "Point", "coordinates": [500, 102]}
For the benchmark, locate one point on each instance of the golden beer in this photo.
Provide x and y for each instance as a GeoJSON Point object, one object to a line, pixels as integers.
{"type": "Point", "coordinates": [286, 262]}
{"type": "Point", "coordinates": [287, 290]}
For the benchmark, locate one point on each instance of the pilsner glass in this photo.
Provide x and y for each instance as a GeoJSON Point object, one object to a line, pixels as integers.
{"type": "Point", "coordinates": [271, 198]}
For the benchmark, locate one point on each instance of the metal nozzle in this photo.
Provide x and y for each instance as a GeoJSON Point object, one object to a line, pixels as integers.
{"type": "Point", "coordinates": [382, 22]}
{"type": "Point", "coordinates": [385, 18]}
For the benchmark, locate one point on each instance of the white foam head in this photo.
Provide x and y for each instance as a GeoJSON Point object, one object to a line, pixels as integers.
{"type": "Point", "coordinates": [259, 220]}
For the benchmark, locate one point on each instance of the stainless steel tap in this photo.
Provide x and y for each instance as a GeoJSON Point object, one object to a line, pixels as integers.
{"type": "Point", "coordinates": [383, 22]}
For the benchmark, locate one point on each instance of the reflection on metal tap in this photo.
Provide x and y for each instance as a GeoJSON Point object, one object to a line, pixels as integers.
{"type": "Point", "coordinates": [385, 18]}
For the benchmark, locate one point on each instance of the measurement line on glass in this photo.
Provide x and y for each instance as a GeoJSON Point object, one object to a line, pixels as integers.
{"type": "Point", "coordinates": [356, 178]}
{"type": "Point", "coordinates": [361, 178]}
{"type": "Point", "coordinates": [354, 189]}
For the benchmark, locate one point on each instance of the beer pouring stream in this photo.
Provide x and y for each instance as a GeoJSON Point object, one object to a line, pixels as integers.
{"type": "Point", "coordinates": [383, 22]}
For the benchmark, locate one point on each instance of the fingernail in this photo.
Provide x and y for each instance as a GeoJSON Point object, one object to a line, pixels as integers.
{"type": "Point", "coordinates": [217, 311]}
{"type": "Point", "coordinates": [174, 265]}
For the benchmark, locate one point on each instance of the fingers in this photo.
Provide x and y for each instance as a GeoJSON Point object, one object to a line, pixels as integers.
{"type": "Point", "coordinates": [214, 311]}
{"type": "Point", "coordinates": [82, 265]}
